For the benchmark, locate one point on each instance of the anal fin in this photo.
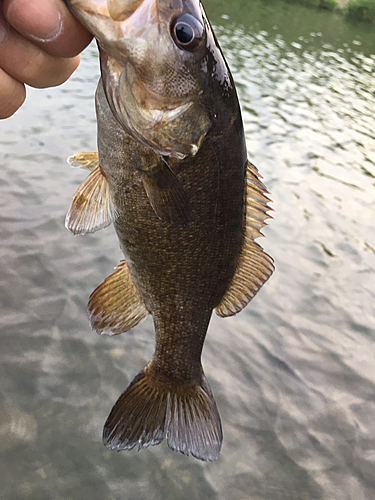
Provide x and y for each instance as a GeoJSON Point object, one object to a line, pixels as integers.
{"type": "Point", "coordinates": [167, 195]}
{"type": "Point", "coordinates": [254, 265]}
{"type": "Point", "coordinates": [116, 305]}
{"type": "Point", "coordinates": [92, 207]}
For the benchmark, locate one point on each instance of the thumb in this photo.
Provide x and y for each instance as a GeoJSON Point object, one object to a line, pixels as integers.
{"type": "Point", "coordinates": [48, 24]}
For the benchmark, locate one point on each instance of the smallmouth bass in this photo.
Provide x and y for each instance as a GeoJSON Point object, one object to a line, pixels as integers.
{"type": "Point", "coordinates": [172, 175]}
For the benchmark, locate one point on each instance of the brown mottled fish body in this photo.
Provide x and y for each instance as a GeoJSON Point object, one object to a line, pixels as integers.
{"type": "Point", "coordinates": [182, 273]}
{"type": "Point", "coordinates": [186, 214]}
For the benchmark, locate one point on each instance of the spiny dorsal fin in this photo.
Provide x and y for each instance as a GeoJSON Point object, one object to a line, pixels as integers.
{"type": "Point", "coordinates": [116, 305]}
{"type": "Point", "coordinates": [254, 265]}
{"type": "Point", "coordinates": [87, 159]}
{"type": "Point", "coordinates": [153, 408]}
{"type": "Point", "coordinates": [92, 208]}
{"type": "Point", "coordinates": [167, 195]}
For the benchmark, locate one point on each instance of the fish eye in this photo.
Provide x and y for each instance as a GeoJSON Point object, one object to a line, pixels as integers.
{"type": "Point", "coordinates": [187, 32]}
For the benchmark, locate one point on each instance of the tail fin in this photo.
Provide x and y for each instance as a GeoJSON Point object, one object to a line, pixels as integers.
{"type": "Point", "coordinates": [149, 411]}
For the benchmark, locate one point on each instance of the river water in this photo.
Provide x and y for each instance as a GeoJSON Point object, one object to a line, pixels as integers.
{"type": "Point", "coordinates": [293, 375]}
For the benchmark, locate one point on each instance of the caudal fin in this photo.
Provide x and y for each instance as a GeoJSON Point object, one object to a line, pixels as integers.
{"type": "Point", "coordinates": [149, 411]}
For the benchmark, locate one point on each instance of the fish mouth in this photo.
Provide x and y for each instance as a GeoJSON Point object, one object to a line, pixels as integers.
{"type": "Point", "coordinates": [114, 22]}
{"type": "Point", "coordinates": [120, 10]}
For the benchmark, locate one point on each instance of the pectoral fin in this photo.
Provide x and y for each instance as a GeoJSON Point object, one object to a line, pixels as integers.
{"type": "Point", "coordinates": [167, 195]}
{"type": "Point", "coordinates": [87, 159]}
{"type": "Point", "coordinates": [116, 305]}
{"type": "Point", "coordinates": [254, 265]}
{"type": "Point", "coordinates": [92, 208]}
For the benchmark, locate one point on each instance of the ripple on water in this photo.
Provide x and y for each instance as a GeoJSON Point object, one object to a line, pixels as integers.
{"type": "Point", "coordinates": [293, 375]}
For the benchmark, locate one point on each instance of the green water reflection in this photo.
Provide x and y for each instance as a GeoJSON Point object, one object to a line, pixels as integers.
{"type": "Point", "coordinates": [294, 22]}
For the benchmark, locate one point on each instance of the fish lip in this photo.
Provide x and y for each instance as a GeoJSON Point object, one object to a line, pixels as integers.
{"type": "Point", "coordinates": [126, 11]}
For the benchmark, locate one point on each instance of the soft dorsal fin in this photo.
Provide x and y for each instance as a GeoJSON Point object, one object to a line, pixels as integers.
{"type": "Point", "coordinates": [167, 195]}
{"type": "Point", "coordinates": [87, 159]}
{"type": "Point", "coordinates": [254, 265]}
{"type": "Point", "coordinates": [92, 208]}
{"type": "Point", "coordinates": [116, 305]}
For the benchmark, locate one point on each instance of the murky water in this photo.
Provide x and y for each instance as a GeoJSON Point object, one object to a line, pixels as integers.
{"type": "Point", "coordinates": [293, 375]}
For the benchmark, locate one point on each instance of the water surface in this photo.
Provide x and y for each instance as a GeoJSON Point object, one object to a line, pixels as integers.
{"type": "Point", "coordinates": [293, 375]}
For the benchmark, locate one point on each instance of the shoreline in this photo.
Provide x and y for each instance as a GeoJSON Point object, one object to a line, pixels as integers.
{"type": "Point", "coordinates": [352, 10]}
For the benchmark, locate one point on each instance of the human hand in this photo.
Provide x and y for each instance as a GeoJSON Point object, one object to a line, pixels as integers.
{"type": "Point", "coordinates": [40, 42]}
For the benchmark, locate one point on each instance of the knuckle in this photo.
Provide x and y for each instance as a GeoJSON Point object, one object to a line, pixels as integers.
{"type": "Point", "coordinates": [9, 106]}
{"type": "Point", "coordinates": [12, 95]}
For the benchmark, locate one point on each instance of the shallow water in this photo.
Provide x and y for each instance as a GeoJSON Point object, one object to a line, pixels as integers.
{"type": "Point", "coordinates": [294, 374]}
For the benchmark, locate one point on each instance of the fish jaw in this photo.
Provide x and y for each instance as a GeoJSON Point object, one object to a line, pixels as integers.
{"type": "Point", "coordinates": [104, 18]}
{"type": "Point", "coordinates": [110, 20]}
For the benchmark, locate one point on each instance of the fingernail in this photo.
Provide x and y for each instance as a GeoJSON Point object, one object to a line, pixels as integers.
{"type": "Point", "coordinates": [39, 20]}
{"type": "Point", "coordinates": [50, 33]}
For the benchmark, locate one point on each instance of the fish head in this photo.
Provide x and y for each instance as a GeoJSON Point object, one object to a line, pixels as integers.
{"type": "Point", "coordinates": [154, 64]}
{"type": "Point", "coordinates": [161, 85]}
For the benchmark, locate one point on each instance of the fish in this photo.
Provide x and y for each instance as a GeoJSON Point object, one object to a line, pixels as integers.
{"type": "Point", "coordinates": [173, 176]}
